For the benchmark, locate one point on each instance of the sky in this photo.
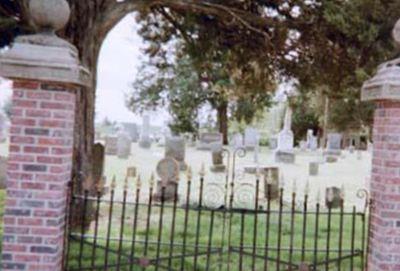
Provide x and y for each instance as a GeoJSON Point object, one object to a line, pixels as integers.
{"type": "Point", "coordinates": [119, 60]}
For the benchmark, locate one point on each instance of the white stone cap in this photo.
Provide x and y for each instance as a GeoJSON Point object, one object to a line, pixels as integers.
{"type": "Point", "coordinates": [26, 60]}
{"type": "Point", "coordinates": [44, 56]}
{"type": "Point", "coordinates": [385, 85]}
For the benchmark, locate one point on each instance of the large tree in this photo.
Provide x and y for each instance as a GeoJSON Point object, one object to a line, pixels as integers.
{"type": "Point", "coordinates": [89, 24]}
{"type": "Point", "coordinates": [329, 42]}
{"type": "Point", "coordinates": [182, 89]}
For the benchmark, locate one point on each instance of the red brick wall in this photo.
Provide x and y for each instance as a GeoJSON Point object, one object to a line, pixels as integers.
{"type": "Point", "coordinates": [385, 188]}
{"type": "Point", "coordinates": [39, 168]}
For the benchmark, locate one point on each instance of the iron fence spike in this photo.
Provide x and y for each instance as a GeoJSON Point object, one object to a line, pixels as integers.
{"type": "Point", "coordinates": [114, 182]}
{"type": "Point", "coordinates": [202, 172]}
{"type": "Point", "coordinates": [152, 180]}
{"type": "Point", "coordinates": [307, 188]}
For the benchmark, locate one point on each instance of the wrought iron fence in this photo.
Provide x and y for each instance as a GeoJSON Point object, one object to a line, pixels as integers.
{"type": "Point", "coordinates": [211, 226]}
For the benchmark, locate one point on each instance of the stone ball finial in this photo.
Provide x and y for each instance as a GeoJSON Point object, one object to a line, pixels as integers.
{"type": "Point", "coordinates": [49, 15]}
{"type": "Point", "coordinates": [396, 33]}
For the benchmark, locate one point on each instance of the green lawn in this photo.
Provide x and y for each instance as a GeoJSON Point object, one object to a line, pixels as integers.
{"type": "Point", "coordinates": [240, 235]}
{"type": "Point", "coordinates": [217, 240]}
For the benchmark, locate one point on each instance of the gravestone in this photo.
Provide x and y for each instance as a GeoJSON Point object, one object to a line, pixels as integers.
{"type": "Point", "coordinates": [206, 140]}
{"type": "Point", "coordinates": [3, 175]}
{"type": "Point", "coordinates": [124, 143]}
{"type": "Point", "coordinates": [312, 141]}
{"type": "Point", "coordinates": [251, 138]}
{"type": "Point", "coordinates": [132, 130]}
{"type": "Point", "coordinates": [334, 145]}
{"type": "Point", "coordinates": [111, 143]}
{"type": "Point", "coordinates": [273, 142]}
{"type": "Point", "coordinates": [168, 172]}
{"type": "Point", "coordinates": [355, 140]}
{"type": "Point", "coordinates": [145, 140]}
{"type": "Point", "coordinates": [331, 159]}
{"type": "Point", "coordinates": [98, 162]}
{"type": "Point", "coordinates": [237, 141]}
{"type": "Point", "coordinates": [270, 176]}
{"type": "Point", "coordinates": [175, 148]}
{"type": "Point", "coordinates": [333, 196]}
{"type": "Point", "coordinates": [131, 172]}
{"type": "Point", "coordinates": [271, 182]}
{"type": "Point", "coordinates": [285, 152]}
{"type": "Point", "coordinates": [190, 140]}
{"type": "Point", "coordinates": [303, 145]}
{"type": "Point", "coordinates": [313, 168]}
{"type": "Point", "coordinates": [217, 158]}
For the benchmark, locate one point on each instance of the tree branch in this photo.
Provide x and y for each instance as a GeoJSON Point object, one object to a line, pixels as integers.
{"type": "Point", "coordinates": [255, 23]}
{"type": "Point", "coordinates": [175, 24]}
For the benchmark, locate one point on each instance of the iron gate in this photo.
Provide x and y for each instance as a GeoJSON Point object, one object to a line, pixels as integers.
{"type": "Point", "coordinates": [210, 226]}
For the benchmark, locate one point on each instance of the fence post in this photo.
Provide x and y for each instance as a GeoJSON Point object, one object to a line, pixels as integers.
{"type": "Point", "coordinates": [47, 77]}
{"type": "Point", "coordinates": [384, 90]}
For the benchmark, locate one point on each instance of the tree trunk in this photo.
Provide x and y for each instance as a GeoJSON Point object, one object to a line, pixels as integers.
{"type": "Point", "coordinates": [88, 26]}
{"type": "Point", "coordinates": [222, 118]}
{"type": "Point", "coordinates": [326, 123]}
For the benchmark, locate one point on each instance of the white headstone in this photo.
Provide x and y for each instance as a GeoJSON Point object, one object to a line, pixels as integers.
{"type": "Point", "coordinates": [124, 145]}
{"type": "Point", "coordinates": [145, 140]}
{"type": "Point", "coordinates": [237, 141]}
{"type": "Point", "coordinates": [111, 145]}
{"type": "Point", "coordinates": [132, 130]}
{"type": "Point", "coordinates": [207, 139]}
{"type": "Point", "coordinates": [334, 141]}
{"type": "Point", "coordinates": [251, 138]}
{"type": "Point", "coordinates": [286, 137]}
{"type": "Point", "coordinates": [285, 151]}
{"type": "Point", "coordinates": [175, 147]}
{"type": "Point", "coordinates": [303, 145]}
{"type": "Point", "coordinates": [273, 142]}
{"type": "Point", "coordinates": [334, 145]}
{"type": "Point", "coordinates": [312, 141]}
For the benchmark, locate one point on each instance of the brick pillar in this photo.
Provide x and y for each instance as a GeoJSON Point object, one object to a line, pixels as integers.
{"type": "Point", "coordinates": [385, 188]}
{"type": "Point", "coordinates": [384, 238]}
{"type": "Point", "coordinates": [46, 77]}
{"type": "Point", "coordinates": [39, 168]}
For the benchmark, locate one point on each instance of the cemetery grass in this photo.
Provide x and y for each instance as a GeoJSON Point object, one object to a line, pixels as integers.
{"type": "Point", "coordinates": [217, 241]}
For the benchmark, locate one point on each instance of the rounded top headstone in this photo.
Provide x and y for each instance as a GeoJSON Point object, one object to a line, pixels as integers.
{"type": "Point", "coordinates": [49, 15]}
{"type": "Point", "coordinates": [396, 32]}
{"type": "Point", "coordinates": [168, 168]}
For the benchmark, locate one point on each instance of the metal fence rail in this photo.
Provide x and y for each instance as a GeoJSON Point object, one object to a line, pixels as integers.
{"type": "Point", "coordinates": [193, 231]}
